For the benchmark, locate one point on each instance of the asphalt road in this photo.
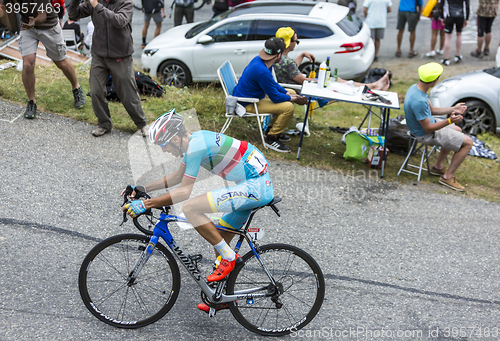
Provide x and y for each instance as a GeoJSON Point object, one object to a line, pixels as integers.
{"type": "Point", "coordinates": [400, 262]}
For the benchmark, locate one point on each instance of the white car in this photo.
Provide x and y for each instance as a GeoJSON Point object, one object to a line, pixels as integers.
{"type": "Point", "coordinates": [193, 52]}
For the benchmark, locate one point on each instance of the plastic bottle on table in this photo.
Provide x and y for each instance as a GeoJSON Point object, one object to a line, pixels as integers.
{"type": "Point", "coordinates": [322, 74]}
{"type": "Point", "coordinates": [328, 72]}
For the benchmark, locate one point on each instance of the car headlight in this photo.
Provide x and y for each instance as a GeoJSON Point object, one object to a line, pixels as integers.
{"type": "Point", "coordinates": [150, 52]}
{"type": "Point", "coordinates": [445, 85]}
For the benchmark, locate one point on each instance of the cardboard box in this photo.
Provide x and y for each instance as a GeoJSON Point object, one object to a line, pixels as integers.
{"type": "Point", "coordinates": [375, 156]}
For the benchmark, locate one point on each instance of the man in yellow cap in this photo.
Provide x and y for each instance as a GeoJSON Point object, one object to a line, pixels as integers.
{"type": "Point", "coordinates": [287, 70]}
{"type": "Point", "coordinates": [420, 121]}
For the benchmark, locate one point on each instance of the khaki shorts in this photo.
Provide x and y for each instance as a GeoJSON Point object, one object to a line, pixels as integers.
{"type": "Point", "coordinates": [447, 137]}
{"type": "Point", "coordinates": [51, 38]}
{"type": "Point", "coordinates": [407, 17]}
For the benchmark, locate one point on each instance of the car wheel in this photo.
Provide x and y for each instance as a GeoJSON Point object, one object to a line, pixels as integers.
{"type": "Point", "coordinates": [306, 68]}
{"type": "Point", "coordinates": [174, 73]}
{"type": "Point", "coordinates": [478, 118]}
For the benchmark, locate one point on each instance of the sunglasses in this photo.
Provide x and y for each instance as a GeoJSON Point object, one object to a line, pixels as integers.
{"type": "Point", "coordinates": [295, 41]}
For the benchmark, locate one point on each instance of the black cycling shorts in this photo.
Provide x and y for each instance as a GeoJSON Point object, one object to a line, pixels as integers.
{"type": "Point", "coordinates": [484, 25]}
{"type": "Point", "coordinates": [453, 21]}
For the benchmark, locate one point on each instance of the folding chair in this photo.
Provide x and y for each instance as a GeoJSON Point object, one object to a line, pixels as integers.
{"type": "Point", "coordinates": [69, 36]}
{"type": "Point", "coordinates": [228, 81]}
{"type": "Point", "coordinates": [424, 158]}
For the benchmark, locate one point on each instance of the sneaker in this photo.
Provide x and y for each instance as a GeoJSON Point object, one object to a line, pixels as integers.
{"type": "Point", "coordinates": [451, 183]}
{"type": "Point", "coordinates": [79, 97]}
{"type": "Point", "coordinates": [223, 269]}
{"type": "Point", "coordinates": [144, 131]}
{"type": "Point", "coordinates": [441, 52]}
{"type": "Point", "coordinates": [437, 172]}
{"type": "Point", "coordinates": [276, 145]}
{"type": "Point", "coordinates": [99, 131]}
{"type": "Point", "coordinates": [283, 137]}
{"type": "Point", "coordinates": [143, 45]}
{"type": "Point", "coordinates": [457, 58]}
{"type": "Point", "coordinates": [375, 59]}
{"type": "Point", "coordinates": [486, 52]}
{"type": "Point", "coordinates": [445, 62]}
{"type": "Point", "coordinates": [476, 54]}
{"type": "Point", "coordinates": [431, 54]}
{"type": "Point", "coordinates": [206, 308]}
{"type": "Point", "coordinates": [30, 110]}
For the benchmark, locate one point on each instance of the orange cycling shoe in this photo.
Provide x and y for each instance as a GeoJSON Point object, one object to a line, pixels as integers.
{"type": "Point", "coordinates": [206, 308]}
{"type": "Point", "coordinates": [223, 269]}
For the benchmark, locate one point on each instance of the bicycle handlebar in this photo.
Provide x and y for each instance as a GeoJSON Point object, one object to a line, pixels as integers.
{"type": "Point", "coordinates": [140, 192]}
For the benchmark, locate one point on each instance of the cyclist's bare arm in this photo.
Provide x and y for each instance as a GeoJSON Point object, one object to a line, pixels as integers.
{"type": "Point", "coordinates": [167, 181]}
{"type": "Point", "coordinates": [179, 194]}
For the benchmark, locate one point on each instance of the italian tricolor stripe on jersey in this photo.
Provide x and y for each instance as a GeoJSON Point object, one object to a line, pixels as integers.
{"type": "Point", "coordinates": [229, 155]}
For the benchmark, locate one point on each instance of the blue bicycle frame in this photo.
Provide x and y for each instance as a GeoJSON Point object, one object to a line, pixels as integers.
{"type": "Point", "coordinates": [216, 296]}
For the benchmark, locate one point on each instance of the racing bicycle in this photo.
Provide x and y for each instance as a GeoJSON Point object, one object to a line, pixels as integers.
{"type": "Point", "coordinates": [133, 280]}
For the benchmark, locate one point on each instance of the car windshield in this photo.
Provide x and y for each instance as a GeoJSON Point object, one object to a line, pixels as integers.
{"type": "Point", "coordinates": [249, 8]}
{"type": "Point", "coordinates": [351, 24]}
{"type": "Point", "coordinates": [494, 71]}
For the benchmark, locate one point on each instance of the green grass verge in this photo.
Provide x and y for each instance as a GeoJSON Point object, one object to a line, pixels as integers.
{"type": "Point", "coordinates": [322, 150]}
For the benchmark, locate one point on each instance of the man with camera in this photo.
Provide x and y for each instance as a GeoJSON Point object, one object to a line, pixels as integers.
{"type": "Point", "coordinates": [112, 51]}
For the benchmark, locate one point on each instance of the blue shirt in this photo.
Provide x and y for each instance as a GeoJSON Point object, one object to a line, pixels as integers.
{"type": "Point", "coordinates": [257, 81]}
{"type": "Point", "coordinates": [409, 5]}
{"type": "Point", "coordinates": [417, 108]}
{"type": "Point", "coordinates": [224, 156]}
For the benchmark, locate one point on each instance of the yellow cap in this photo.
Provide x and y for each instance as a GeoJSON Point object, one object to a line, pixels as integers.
{"type": "Point", "coordinates": [429, 72]}
{"type": "Point", "coordinates": [285, 33]}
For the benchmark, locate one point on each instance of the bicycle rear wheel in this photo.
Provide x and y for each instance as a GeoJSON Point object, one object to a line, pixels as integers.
{"type": "Point", "coordinates": [109, 296]}
{"type": "Point", "coordinates": [291, 304]}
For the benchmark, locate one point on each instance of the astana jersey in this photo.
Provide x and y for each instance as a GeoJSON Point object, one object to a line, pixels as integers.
{"type": "Point", "coordinates": [227, 157]}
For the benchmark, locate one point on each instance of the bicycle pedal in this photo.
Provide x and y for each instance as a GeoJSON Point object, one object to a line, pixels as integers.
{"type": "Point", "coordinates": [212, 312]}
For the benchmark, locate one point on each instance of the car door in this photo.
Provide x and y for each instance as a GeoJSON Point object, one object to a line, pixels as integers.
{"type": "Point", "coordinates": [229, 42]}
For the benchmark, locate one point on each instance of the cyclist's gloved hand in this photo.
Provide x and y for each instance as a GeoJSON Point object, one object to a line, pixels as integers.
{"type": "Point", "coordinates": [135, 208]}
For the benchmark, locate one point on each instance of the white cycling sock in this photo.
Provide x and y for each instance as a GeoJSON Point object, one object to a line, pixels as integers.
{"type": "Point", "coordinates": [225, 251]}
{"type": "Point", "coordinates": [497, 58]}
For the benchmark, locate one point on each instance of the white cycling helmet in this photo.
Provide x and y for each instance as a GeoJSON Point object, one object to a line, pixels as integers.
{"type": "Point", "coordinates": [165, 127]}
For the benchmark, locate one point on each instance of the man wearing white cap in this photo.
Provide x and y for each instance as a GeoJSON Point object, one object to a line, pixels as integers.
{"type": "Point", "coordinates": [257, 82]}
{"type": "Point", "coordinates": [419, 112]}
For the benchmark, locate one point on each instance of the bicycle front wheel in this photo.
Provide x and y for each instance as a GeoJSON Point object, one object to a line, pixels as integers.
{"type": "Point", "coordinates": [290, 304]}
{"type": "Point", "coordinates": [107, 293]}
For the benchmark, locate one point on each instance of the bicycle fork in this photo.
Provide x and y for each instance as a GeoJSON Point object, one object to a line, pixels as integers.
{"type": "Point", "coordinates": [146, 253]}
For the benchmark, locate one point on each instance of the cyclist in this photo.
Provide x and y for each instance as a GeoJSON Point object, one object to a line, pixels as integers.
{"type": "Point", "coordinates": [229, 158]}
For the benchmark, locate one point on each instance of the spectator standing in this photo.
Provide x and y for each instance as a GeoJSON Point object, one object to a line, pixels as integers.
{"type": "Point", "coordinates": [420, 121]}
{"type": "Point", "coordinates": [112, 50]}
{"type": "Point", "coordinates": [40, 23]}
{"type": "Point", "coordinates": [375, 12]}
{"type": "Point", "coordinates": [486, 13]}
{"type": "Point", "coordinates": [183, 8]}
{"type": "Point", "coordinates": [257, 82]}
{"type": "Point", "coordinates": [437, 27]}
{"type": "Point", "coordinates": [409, 12]}
{"type": "Point", "coordinates": [219, 6]}
{"type": "Point", "coordinates": [456, 14]}
{"type": "Point", "coordinates": [152, 9]}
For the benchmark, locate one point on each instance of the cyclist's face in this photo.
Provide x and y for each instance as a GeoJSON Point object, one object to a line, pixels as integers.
{"type": "Point", "coordinates": [172, 147]}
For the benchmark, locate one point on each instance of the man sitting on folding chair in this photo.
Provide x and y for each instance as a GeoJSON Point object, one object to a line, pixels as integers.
{"type": "Point", "coordinates": [257, 82]}
{"type": "Point", "coordinates": [418, 113]}
{"type": "Point", "coordinates": [287, 69]}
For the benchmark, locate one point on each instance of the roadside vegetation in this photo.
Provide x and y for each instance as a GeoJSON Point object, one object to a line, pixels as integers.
{"type": "Point", "coordinates": [322, 149]}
